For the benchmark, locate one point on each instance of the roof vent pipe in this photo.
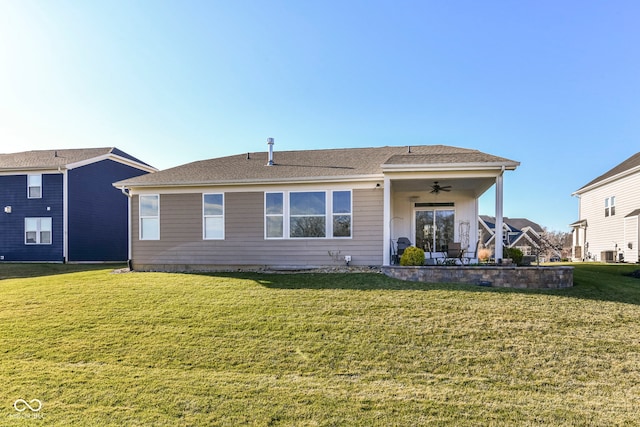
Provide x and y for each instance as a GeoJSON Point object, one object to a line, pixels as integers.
{"type": "Point", "coordinates": [270, 143]}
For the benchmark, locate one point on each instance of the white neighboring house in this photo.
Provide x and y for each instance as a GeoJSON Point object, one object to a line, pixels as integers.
{"type": "Point", "coordinates": [609, 210]}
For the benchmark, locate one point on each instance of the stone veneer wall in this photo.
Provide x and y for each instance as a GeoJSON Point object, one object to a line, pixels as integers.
{"type": "Point", "coordinates": [503, 277]}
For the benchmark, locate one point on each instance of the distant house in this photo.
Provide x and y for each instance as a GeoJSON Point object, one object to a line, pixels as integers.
{"type": "Point", "coordinates": [61, 206]}
{"type": "Point", "coordinates": [519, 233]}
{"type": "Point", "coordinates": [608, 228]}
{"type": "Point", "coordinates": [309, 208]}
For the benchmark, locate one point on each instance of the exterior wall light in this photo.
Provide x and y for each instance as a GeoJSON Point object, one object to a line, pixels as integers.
{"type": "Point", "coordinates": [7, 209]}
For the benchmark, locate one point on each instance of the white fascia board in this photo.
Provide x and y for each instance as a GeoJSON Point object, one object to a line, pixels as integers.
{"type": "Point", "coordinates": [443, 174]}
{"type": "Point", "coordinates": [31, 171]}
{"type": "Point", "coordinates": [252, 183]}
{"type": "Point", "coordinates": [528, 229]}
{"type": "Point", "coordinates": [486, 227]}
{"type": "Point", "coordinates": [606, 181]}
{"type": "Point", "coordinates": [115, 158]}
{"type": "Point", "coordinates": [525, 237]}
{"type": "Point", "coordinates": [430, 167]}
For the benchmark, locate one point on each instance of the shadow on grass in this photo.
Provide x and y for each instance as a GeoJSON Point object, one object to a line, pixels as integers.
{"type": "Point", "coordinates": [24, 270]}
{"type": "Point", "coordinates": [593, 281]}
{"type": "Point", "coordinates": [600, 282]}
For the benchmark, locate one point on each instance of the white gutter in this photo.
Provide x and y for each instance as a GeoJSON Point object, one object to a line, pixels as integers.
{"type": "Point", "coordinates": [428, 167]}
{"type": "Point", "coordinates": [357, 178]}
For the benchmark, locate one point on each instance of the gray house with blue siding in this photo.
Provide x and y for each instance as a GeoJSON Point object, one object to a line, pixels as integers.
{"type": "Point", "coordinates": [61, 206]}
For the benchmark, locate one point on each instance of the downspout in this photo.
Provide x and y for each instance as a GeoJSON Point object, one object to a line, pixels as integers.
{"type": "Point", "coordinates": [128, 194]}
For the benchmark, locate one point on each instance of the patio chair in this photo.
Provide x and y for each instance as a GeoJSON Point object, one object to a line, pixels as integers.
{"type": "Point", "coordinates": [468, 256]}
{"type": "Point", "coordinates": [454, 252]}
{"type": "Point", "coordinates": [402, 244]}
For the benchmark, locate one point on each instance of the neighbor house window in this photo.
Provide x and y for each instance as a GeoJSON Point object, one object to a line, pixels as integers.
{"type": "Point", "coordinates": [150, 217]}
{"type": "Point", "coordinates": [308, 214]}
{"type": "Point", "coordinates": [37, 231]}
{"type": "Point", "coordinates": [613, 205]}
{"type": "Point", "coordinates": [610, 206]}
{"type": "Point", "coordinates": [34, 186]}
{"type": "Point", "coordinates": [274, 215]}
{"type": "Point", "coordinates": [213, 216]}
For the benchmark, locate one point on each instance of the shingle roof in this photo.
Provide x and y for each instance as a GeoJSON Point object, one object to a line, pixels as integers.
{"type": "Point", "coordinates": [45, 159]}
{"type": "Point", "coordinates": [634, 213]}
{"type": "Point", "coordinates": [631, 163]}
{"type": "Point", "coordinates": [311, 164]}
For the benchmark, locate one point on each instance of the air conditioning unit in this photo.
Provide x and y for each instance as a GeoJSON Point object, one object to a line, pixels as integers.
{"type": "Point", "coordinates": [608, 256]}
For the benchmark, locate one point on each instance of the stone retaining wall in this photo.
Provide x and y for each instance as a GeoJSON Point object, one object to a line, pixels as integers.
{"type": "Point", "coordinates": [503, 276]}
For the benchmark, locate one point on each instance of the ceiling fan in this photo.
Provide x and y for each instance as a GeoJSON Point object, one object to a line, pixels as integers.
{"type": "Point", "coordinates": [436, 188]}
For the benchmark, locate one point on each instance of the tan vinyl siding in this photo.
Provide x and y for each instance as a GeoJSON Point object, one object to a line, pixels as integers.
{"type": "Point", "coordinates": [181, 245]}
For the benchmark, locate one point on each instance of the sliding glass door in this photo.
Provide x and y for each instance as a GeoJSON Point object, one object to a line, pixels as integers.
{"type": "Point", "coordinates": [434, 229]}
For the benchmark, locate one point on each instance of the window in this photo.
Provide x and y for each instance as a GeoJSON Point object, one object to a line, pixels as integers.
{"type": "Point", "coordinates": [613, 205]}
{"type": "Point", "coordinates": [34, 186]}
{"type": "Point", "coordinates": [610, 206]}
{"type": "Point", "coordinates": [308, 214]}
{"type": "Point", "coordinates": [341, 214]}
{"type": "Point", "coordinates": [213, 216]}
{"type": "Point", "coordinates": [37, 231]}
{"type": "Point", "coordinates": [150, 217]}
{"type": "Point", "coordinates": [274, 215]}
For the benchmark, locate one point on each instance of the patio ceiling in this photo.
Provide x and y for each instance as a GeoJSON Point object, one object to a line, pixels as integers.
{"type": "Point", "coordinates": [475, 185]}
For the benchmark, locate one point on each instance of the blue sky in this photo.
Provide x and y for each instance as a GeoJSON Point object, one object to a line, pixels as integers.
{"type": "Point", "coordinates": [552, 84]}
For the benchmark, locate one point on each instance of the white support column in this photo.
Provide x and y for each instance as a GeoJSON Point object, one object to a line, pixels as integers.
{"type": "Point", "coordinates": [386, 218]}
{"type": "Point", "coordinates": [499, 215]}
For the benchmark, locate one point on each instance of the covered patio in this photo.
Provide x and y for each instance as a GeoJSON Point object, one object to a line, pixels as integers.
{"type": "Point", "coordinates": [435, 206]}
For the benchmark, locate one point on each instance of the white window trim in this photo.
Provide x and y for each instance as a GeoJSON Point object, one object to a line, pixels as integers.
{"type": "Point", "coordinates": [329, 214]}
{"type": "Point", "coordinates": [38, 231]}
{"type": "Point", "coordinates": [204, 218]}
{"type": "Point", "coordinates": [30, 186]}
{"type": "Point", "coordinates": [141, 217]}
{"type": "Point", "coordinates": [609, 206]}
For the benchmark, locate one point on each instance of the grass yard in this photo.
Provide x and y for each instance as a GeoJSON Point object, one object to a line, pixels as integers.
{"type": "Point", "coordinates": [98, 348]}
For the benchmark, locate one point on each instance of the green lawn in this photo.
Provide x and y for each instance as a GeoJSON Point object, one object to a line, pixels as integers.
{"type": "Point", "coordinates": [358, 349]}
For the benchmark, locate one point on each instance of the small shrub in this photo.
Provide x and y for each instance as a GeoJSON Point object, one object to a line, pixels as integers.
{"type": "Point", "coordinates": [412, 256]}
{"type": "Point", "coordinates": [484, 254]}
{"type": "Point", "coordinates": [515, 254]}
